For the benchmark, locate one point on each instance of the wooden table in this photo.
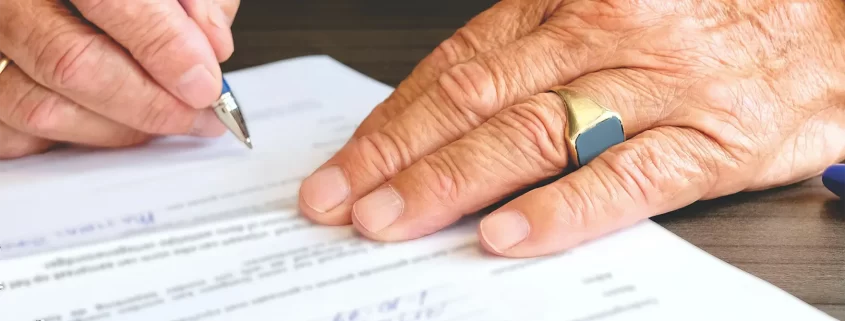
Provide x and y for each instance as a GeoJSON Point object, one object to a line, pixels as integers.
{"type": "Point", "coordinates": [793, 237]}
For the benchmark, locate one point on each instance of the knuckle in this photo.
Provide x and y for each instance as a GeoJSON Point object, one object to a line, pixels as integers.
{"type": "Point", "coordinates": [441, 178]}
{"type": "Point", "coordinates": [471, 90]}
{"type": "Point", "coordinates": [162, 116]}
{"type": "Point", "coordinates": [634, 173]}
{"type": "Point", "coordinates": [625, 175]}
{"type": "Point", "coordinates": [458, 48]}
{"type": "Point", "coordinates": [582, 50]}
{"type": "Point", "coordinates": [42, 116]}
{"type": "Point", "coordinates": [154, 118]}
{"type": "Point", "coordinates": [382, 155]}
{"type": "Point", "coordinates": [400, 98]}
{"type": "Point", "coordinates": [537, 132]}
{"type": "Point", "coordinates": [35, 111]}
{"type": "Point", "coordinates": [650, 172]}
{"type": "Point", "coordinates": [577, 207]}
{"type": "Point", "coordinates": [703, 158]}
{"type": "Point", "coordinates": [152, 26]}
{"type": "Point", "coordinates": [159, 39]}
{"type": "Point", "coordinates": [67, 59]}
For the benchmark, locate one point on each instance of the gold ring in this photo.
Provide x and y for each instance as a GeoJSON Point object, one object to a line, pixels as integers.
{"type": "Point", "coordinates": [590, 127]}
{"type": "Point", "coordinates": [4, 62]}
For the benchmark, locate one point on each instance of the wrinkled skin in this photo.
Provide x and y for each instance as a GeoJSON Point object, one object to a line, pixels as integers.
{"type": "Point", "coordinates": [717, 97]}
{"type": "Point", "coordinates": [110, 73]}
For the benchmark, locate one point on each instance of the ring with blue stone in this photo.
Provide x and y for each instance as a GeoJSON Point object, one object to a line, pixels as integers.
{"type": "Point", "coordinates": [590, 127]}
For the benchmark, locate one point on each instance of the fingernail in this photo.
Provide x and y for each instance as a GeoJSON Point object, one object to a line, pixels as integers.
{"type": "Point", "coordinates": [325, 189]}
{"type": "Point", "coordinates": [197, 87]}
{"type": "Point", "coordinates": [208, 125]}
{"type": "Point", "coordinates": [504, 230]}
{"type": "Point", "coordinates": [379, 209]}
{"type": "Point", "coordinates": [218, 18]}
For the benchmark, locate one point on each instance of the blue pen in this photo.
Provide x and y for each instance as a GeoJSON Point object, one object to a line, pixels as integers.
{"type": "Point", "coordinates": [229, 113]}
{"type": "Point", "coordinates": [834, 179]}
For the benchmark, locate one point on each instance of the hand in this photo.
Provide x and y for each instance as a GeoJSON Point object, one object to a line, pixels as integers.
{"type": "Point", "coordinates": [716, 97]}
{"type": "Point", "coordinates": [110, 73]}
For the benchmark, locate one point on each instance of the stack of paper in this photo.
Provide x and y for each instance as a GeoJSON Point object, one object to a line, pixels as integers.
{"type": "Point", "coordinates": [193, 229]}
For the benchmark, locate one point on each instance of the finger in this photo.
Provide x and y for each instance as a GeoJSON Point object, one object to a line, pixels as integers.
{"type": "Point", "coordinates": [659, 171]}
{"type": "Point", "coordinates": [464, 97]}
{"type": "Point", "coordinates": [502, 24]}
{"type": "Point", "coordinates": [65, 55]}
{"type": "Point", "coordinates": [14, 144]}
{"type": "Point", "coordinates": [518, 148]}
{"type": "Point", "coordinates": [165, 41]}
{"type": "Point", "coordinates": [230, 8]}
{"type": "Point", "coordinates": [32, 109]}
{"type": "Point", "coordinates": [215, 22]}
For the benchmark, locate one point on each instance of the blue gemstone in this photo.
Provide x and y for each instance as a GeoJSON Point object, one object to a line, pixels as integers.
{"type": "Point", "coordinates": [596, 140]}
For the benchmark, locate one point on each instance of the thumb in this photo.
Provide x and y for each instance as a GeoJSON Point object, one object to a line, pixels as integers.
{"type": "Point", "coordinates": [656, 172]}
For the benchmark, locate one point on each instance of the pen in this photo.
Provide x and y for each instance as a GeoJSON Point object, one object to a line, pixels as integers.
{"type": "Point", "coordinates": [834, 179]}
{"type": "Point", "coordinates": [229, 113]}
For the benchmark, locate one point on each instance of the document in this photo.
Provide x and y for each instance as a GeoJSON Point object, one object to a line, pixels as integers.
{"type": "Point", "coordinates": [190, 229]}
{"type": "Point", "coordinates": [299, 112]}
{"type": "Point", "coordinates": [278, 266]}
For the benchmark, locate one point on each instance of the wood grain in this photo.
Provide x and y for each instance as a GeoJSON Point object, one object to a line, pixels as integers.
{"type": "Point", "coordinates": [792, 237]}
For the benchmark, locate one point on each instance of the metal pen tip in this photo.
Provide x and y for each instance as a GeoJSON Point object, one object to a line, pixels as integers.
{"type": "Point", "coordinates": [229, 113]}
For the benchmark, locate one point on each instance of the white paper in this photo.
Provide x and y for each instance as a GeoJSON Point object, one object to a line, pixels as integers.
{"type": "Point", "coordinates": [217, 238]}
{"type": "Point", "coordinates": [299, 112]}
{"type": "Point", "coordinates": [278, 266]}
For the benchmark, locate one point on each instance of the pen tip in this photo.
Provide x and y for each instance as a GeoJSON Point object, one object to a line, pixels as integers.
{"type": "Point", "coordinates": [248, 143]}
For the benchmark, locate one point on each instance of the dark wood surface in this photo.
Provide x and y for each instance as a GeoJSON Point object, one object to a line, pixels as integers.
{"type": "Point", "coordinates": [793, 237]}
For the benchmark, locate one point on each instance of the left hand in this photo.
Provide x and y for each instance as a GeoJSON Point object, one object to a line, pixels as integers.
{"type": "Point", "coordinates": [716, 97]}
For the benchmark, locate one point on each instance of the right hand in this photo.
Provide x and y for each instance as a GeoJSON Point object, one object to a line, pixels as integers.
{"type": "Point", "coordinates": [110, 73]}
